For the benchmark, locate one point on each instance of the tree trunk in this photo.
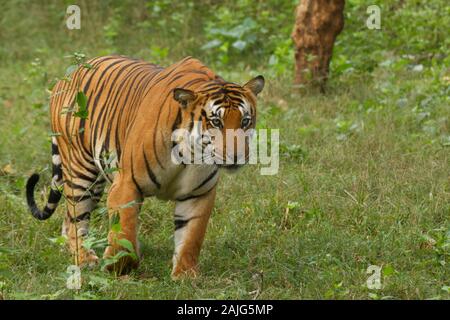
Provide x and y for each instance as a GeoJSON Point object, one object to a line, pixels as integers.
{"type": "Point", "coordinates": [317, 24]}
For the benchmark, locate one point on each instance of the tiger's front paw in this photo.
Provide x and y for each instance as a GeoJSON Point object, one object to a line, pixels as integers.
{"type": "Point", "coordinates": [119, 261]}
{"type": "Point", "coordinates": [179, 273]}
{"type": "Point", "coordinates": [87, 258]}
{"type": "Point", "coordinates": [184, 267]}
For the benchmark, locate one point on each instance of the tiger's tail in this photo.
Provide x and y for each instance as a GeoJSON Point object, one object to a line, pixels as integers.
{"type": "Point", "coordinates": [55, 193]}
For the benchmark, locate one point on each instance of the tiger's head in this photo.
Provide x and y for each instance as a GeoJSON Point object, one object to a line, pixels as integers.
{"type": "Point", "coordinates": [221, 116]}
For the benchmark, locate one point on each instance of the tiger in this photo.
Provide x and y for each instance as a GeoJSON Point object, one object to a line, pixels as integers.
{"type": "Point", "coordinates": [133, 107]}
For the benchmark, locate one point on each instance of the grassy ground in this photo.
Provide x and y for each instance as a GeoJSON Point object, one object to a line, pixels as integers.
{"type": "Point", "coordinates": [363, 180]}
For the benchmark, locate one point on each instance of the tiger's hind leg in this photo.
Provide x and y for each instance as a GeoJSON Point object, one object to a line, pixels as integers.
{"type": "Point", "coordinates": [82, 192]}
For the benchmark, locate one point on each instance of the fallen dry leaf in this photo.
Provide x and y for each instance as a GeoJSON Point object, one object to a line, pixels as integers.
{"type": "Point", "coordinates": [8, 169]}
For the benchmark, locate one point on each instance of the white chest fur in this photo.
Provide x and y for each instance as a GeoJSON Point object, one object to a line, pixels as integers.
{"type": "Point", "coordinates": [188, 181]}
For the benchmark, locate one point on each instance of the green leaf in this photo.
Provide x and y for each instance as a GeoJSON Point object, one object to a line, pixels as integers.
{"type": "Point", "coordinates": [117, 257]}
{"type": "Point", "coordinates": [102, 211]}
{"type": "Point", "coordinates": [81, 100]}
{"type": "Point", "coordinates": [293, 205]}
{"type": "Point", "coordinates": [373, 296]}
{"type": "Point", "coordinates": [111, 170]}
{"type": "Point", "coordinates": [116, 227]}
{"type": "Point", "coordinates": [115, 218]}
{"type": "Point", "coordinates": [120, 254]}
{"type": "Point", "coordinates": [95, 281]}
{"type": "Point", "coordinates": [52, 84]}
{"type": "Point", "coordinates": [388, 270]}
{"type": "Point", "coordinates": [240, 45]}
{"type": "Point", "coordinates": [129, 204]}
{"type": "Point", "coordinates": [126, 244]}
{"type": "Point", "coordinates": [212, 44]}
{"type": "Point", "coordinates": [93, 243]}
{"type": "Point", "coordinates": [61, 240]}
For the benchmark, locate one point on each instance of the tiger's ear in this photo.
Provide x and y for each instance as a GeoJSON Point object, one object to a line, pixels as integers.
{"type": "Point", "coordinates": [183, 96]}
{"type": "Point", "coordinates": [256, 85]}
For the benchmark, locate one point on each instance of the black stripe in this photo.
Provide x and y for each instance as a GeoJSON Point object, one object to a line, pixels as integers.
{"type": "Point", "coordinates": [78, 199]}
{"type": "Point", "coordinates": [219, 101]}
{"type": "Point", "coordinates": [212, 175]}
{"type": "Point", "coordinates": [192, 82]}
{"type": "Point", "coordinates": [155, 152]}
{"type": "Point", "coordinates": [189, 197]}
{"type": "Point", "coordinates": [94, 171]}
{"type": "Point", "coordinates": [177, 121]}
{"type": "Point", "coordinates": [48, 211]}
{"type": "Point", "coordinates": [81, 217]}
{"type": "Point", "coordinates": [75, 186]}
{"type": "Point", "coordinates": [181, 223]}
{"type": "Point", "coordinates": [191, 124]}
{"type": "Point", "coordinates": [155, 129]}
{"type": "Point", "coordinates": [95, 66]}
{"type": "Point", "coordinates": [150, 173]}
{"type": "Point", "coordinates": [175, 78]}
{"type": "Point", "coordinates": [54, 197]}
{"type": "Point", "coordinates": [132, 176]}
{"type": "Point", "coordinates": [55, 150]}
{"type": "Point", "coordinates": [79, 175]}
{"type": "Point", "coordinates": [57, 171]}
{"type": "Point", "coordinates": [213, 84]}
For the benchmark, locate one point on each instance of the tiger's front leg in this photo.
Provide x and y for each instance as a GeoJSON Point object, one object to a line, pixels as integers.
{"type": "Point", "coordinates": [124, 202]}
{"type": "Point", "coordinates": [191, 219]}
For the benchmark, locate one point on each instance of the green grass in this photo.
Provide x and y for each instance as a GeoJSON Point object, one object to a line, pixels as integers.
{"type": "Point", "coordinates": [363, 180]}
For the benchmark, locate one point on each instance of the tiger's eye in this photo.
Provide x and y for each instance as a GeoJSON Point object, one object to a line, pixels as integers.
{"type": "Point", "coordinates": [245, 122]}
{"type": "Point", "coordinates": [216, 122]}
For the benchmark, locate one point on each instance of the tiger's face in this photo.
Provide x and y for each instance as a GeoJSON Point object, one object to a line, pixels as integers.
{"type": "Point", "coordinates": [225, 114]}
